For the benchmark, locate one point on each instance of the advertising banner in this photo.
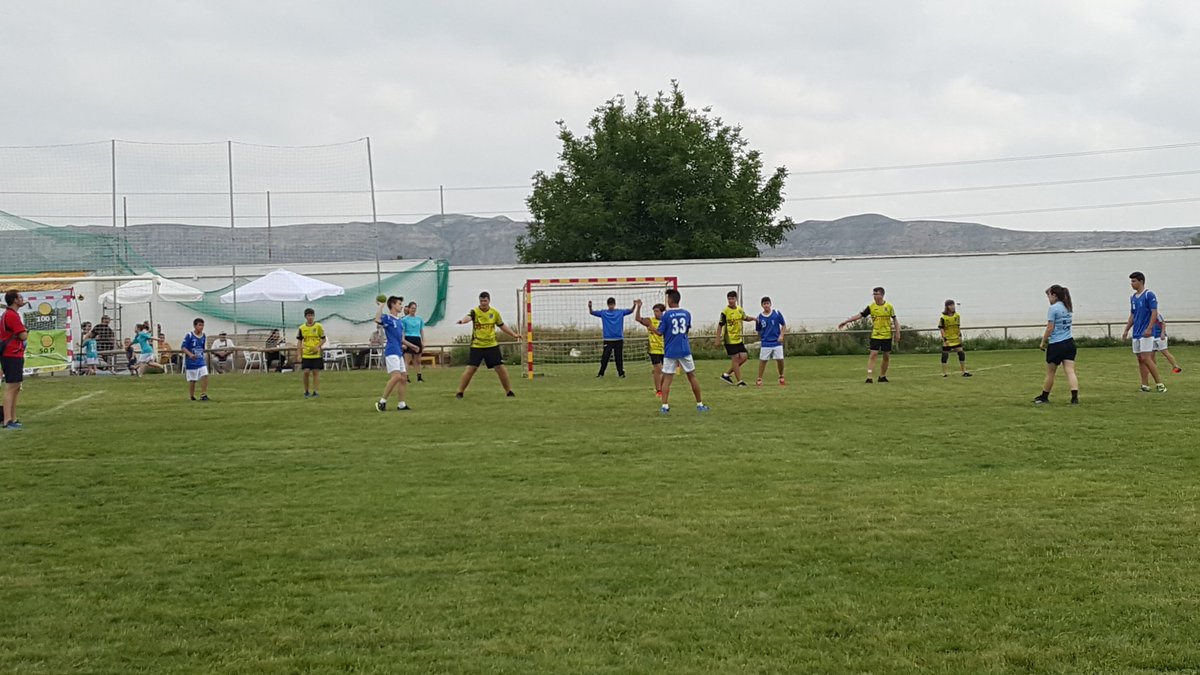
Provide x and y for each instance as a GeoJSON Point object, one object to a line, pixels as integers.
{"type": "Point", "coordinates": [47, 317]}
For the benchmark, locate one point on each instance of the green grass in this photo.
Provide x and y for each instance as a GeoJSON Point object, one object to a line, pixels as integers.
{"type": "Point", "coordinates": [927, 525]}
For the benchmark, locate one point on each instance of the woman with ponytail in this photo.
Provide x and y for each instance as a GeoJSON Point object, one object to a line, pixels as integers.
{"type": "Point", "coordinates": [1058, 343]}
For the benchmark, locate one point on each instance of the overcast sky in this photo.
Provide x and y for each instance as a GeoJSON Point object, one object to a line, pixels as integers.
{"type": "Point", "coordinates": [466, 94]}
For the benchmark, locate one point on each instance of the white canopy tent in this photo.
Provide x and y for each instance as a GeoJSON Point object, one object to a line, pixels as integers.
{"type": "Point", "coordinates": [282, 286]}
{"type": "Point", "coordinates": [149, 289]}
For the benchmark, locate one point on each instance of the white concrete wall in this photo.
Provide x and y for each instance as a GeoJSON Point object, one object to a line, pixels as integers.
{"type": "Point", "coordinates": [992, 289]}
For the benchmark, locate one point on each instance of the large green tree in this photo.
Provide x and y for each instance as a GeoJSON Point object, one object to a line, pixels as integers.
{"type": "Point", "coordinates": [657, 180]}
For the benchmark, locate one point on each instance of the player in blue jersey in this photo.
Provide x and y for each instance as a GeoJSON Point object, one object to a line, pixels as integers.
{"type": "Point", "coordinates": [613, 322]}
{"type": "Point", "coordinates": [771, 327]}
{"type": "Point", "coordinates": [1143, 314]}
{"type": "Point", "coordinates": [677, 351]}
{"type": "Point", "coordinates": [1059, 343]}
{"type": "Point", "coordinates": [393, 352]}
{"type": "Point", "coordinates": [195, 367]}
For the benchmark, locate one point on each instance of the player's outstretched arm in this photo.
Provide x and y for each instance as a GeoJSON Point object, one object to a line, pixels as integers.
{"type": "Point", "coordinates": [849, 321]}
{"type": "Point", "coordinates": [466, 319]}
{"type": "Point", "coordinates": [510, 332]}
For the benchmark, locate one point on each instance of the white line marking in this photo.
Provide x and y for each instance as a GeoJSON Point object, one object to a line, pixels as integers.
{"type": "Point", "coordinates": [64, 404]}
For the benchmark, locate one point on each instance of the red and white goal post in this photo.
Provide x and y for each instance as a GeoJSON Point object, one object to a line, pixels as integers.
{"type": "Point", "coordinates": [558, 328]}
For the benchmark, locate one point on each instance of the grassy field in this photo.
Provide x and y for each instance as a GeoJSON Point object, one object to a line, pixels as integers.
{"type": "Point", "coordinates": [926, 525]}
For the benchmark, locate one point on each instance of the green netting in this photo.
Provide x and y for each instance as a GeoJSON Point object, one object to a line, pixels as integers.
{"type": "Point", "coordinates": [426, 283]}
{"type": "Point", "coordinates": [30, 247]}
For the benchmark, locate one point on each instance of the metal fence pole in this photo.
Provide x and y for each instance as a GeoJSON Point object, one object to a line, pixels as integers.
{"type": "Point", "coordinates": [374, 218]}
{"type": "Point", "coordinates": [232, 236]}
{"type": "Point", "coordinates": [268, 226]}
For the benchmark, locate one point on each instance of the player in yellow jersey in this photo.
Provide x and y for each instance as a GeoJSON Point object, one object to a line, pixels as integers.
{"type": "Point", "coordinates": [655, 340]}
{"type": "Point", "coordinates": [950, 325]}
{"type": "Point", "coordinates": [885, 331]}
{"type": "Point", "coordinates": [729, 333]}
{"type": "Point", "coordinates": [485, 350]}
{"type": "Point", "coordinates": [309, 341]}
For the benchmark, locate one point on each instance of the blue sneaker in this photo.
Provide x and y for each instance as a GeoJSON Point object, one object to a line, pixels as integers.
{"type": "Point", "coordinates": [307, 395]}
{"type": "Point", "coordinates": [13, 425]}
{"type": "Point", "coordinates": [664, 410]}
{"type": "Point", "coordinates": [702, 408]}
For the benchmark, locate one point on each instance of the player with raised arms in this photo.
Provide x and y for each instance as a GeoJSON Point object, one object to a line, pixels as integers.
{"type": "Point", "coordinates": [1143, 314]}
{"type": "Point", "coordinates": [885, 330]}
{"type": "Point", "coordinates": [655, 346]}
{"type": "Point", "coordinates": [950, 326]}
{"type": "Point", "coordinates": [729, 333]}
{"type": "Point", "coordinates": [771, 327]}
{"type": "Point", "coordinates": [485, 350]}
{"type": "Point", "coordinates": [393, 352]}
{"type": "Point", "coordinates": [677, 352]}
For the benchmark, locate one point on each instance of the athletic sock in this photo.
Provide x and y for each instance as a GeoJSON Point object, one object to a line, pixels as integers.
{"type": "Point", "coordinates": [1074, 395]}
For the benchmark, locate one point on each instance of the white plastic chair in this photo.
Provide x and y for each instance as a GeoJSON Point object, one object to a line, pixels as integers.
{"type": "Point", "coordinates": [335, 358]}
{"type": "Point", "coordinates": [375, 358]}
{"type": "Point", "coordinates": [254, 360]}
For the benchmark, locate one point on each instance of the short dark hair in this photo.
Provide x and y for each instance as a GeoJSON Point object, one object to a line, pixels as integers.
{"type": "Point", "coordinates": [877, 289]}
{"type": "Point", "coordinates": [195, 322]}
{"type": "Point", "coordinates": [309, 312]}
{"type": "Point", "coordinates": [611, 301]}
{"type": "Point", "coordinates": [948, 303]}
{"type": "Point", "coordinates": [485, 294]}
{"type": "Point", "coordinates": [766, 298]}
{"type": "Point", "coordinates": [672, 295]}
{"type": "Point", "coordinates": [731, 294]}
{"type": "Point", "coordinates": [1136, 275]}
{"type": "Point", "coordinates": [11, 296]}
{"type": "Point", "coordinates": [394, 298]}
{"type": "Point", "coordinates": [660, 307]}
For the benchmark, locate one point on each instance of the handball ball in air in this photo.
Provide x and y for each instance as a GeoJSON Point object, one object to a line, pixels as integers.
{"type": "Point", "coordinates": [381, 298]}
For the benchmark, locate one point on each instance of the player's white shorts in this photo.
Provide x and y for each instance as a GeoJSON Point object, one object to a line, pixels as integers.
{"type": "Point", "coordinates": [1160, 344]}
{"type": "Point", "coordinates": [395, 364]}
{"type": "Point", "coordinates": [145, 358]}
{"type": "Point", "coordinates": [686, 364]}
{"type": "Point", "coordinates": [91, 361]}
{"type": "Point", "coordinates": [194, 374]}
{"type": "Point", "coordinates": [1143, 345]}
{"type": "Point", "coordinates": [770, 353]}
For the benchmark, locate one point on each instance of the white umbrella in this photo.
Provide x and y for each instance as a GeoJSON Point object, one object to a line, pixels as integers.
{"type": "Point", "coordinates": [282, 286]}
{"type": "Point", "coordinates": [150, 288]}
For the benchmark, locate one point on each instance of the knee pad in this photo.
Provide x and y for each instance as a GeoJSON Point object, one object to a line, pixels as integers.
{"type": "Point", "coordinates": [962, 356]}
{"type": "Point", "coordinates": [945, 356]}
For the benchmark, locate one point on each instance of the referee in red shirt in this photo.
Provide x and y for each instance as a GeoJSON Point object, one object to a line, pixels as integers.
{"type": "Point", "coordinates": [12, 357]}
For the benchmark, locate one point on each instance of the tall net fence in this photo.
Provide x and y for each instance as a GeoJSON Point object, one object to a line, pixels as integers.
{"type": "Point", "coordinates": [216, 215]}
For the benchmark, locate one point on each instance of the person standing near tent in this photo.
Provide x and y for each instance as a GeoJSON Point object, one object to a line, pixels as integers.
{"type": "Point", "coordinates": [12, 356]}
{"type": "Point", "coordinates": [310, 340]}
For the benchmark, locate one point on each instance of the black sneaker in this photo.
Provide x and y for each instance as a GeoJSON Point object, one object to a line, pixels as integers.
{"type": "Point", "coordinates": [945, 375]}
{"type": "Point", "coordinates": [869, 381]}
{"type": "Point", "coordinates": [726, 378]}
{"type": "Point", "coordinates": [381, 406]}
{"type": "Point", "coordinates": [204, 397]}
{"type": "Point", "coordinates": [1074, 401]}
{"type": "Point", "coordinates": [1040, 401]}
{"type": "Point", "coordinates": [742, 384]}
{"type": "Point", "coordinates": [419, 378]}
{"type": "Point", "coordinates": [883, 379]}
{"type": "Point", "coordinates": [966, 375]}
{"type": "Point", "coordinates": [406, 408]}
{"type": "Point", "coordinates": [621, 376]}
{"type": "Point", "coordinates": [458, 394]}
{"type": "Point", "coordinates": [511, 394]}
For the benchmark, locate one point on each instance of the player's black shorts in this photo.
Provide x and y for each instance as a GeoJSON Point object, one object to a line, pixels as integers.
{"type": "Point", "coordinates": [881, 345]}
{"type": "Point", "coordinates": [739, 348]}
{"type": "Point", "coordinates": [14, 369]}
{"type": "Point", "coordinates": [489, 356]}
{"type": "Point", "coordinates": [952, 348]}
{"type": "Point", "coordinates": [416, 343]}
{"type": "Point", "coordinates": [656, 359]}
{"type": "Point", "coordinates": [317, 363]}
{"type": "Point", "coordinates": [1057, 352]}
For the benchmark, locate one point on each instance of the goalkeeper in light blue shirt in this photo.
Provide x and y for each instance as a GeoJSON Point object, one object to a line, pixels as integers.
{"type": "Point", "coordinates": [613, 320]}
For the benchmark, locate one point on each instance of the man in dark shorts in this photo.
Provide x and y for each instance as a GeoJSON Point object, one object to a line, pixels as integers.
{"type": "Point", "coordinates": [12, 356]}
{"type": "Point", "coordinates": [885, 328]}
{"type": "Point", "coordinates": [485, 350]}
{"type": "Point", "coordinates": [310, 341]}
{"type": "Point", "coordinates": [729, 333]}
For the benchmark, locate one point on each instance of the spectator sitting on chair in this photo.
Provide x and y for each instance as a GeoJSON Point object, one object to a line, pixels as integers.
{"type": "Point", "coordinates": [130, 357]}
{"type": "Point", "coordinates": [222, 351]}
{"type": "Point", "coordinates": [165, 347]}
{"type": "Point", "coordinates": [273, 353]}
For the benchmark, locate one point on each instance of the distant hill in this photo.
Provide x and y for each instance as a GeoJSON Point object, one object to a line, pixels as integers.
{"type": "Point", "coordinates": [471, 240]}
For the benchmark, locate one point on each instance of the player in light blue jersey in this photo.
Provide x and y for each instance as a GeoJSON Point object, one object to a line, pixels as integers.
{"type": "Point", "coordinates": [1059, 343]}
{"type": "Point", "coordinates": [677, 351]}
{"type": "Point", "coordinates": [393, 352]}
{"type": "Point", "coordinates": [771, 327]}
{"type": "Point", "coordinates": [1143, 314]}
